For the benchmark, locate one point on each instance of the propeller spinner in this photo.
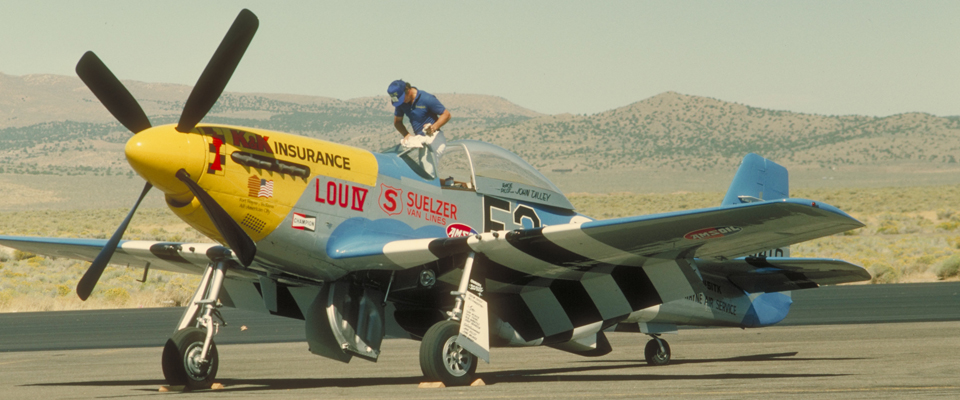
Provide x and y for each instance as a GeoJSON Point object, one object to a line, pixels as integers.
{"type": "Point", "coordinates": [121, 104]}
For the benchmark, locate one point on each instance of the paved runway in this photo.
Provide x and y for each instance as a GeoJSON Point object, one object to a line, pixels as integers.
{"type": "Point", "coordinates": [897, 360]}
{"type": "Point", "coordinates": [885, 341]}
{"type": "Point", "coordinates": [920, 302]}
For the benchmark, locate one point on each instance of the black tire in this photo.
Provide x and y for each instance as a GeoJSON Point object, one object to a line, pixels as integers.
{"type": "Point", "coordinates": [180, 366]}
{"type": "Point", "coordinates": [443, 360]}
{"type": "Point", "coordinates": [654, 355]}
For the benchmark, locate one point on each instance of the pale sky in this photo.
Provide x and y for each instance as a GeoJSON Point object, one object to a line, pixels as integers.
{"type": "Point", "coordinates": [852, 57]}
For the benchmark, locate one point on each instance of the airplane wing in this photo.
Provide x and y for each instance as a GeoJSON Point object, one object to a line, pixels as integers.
{"type": "Point", "coordinates": [189, 258]}
{"type": "Point", "coordinates": [239, 289]}
{"type": "Point", "coordinates": [718, 233]}
{"type": "Point", "coordinates": [554, 280]}
{"type": "Point", "coordinates": [777, 274]}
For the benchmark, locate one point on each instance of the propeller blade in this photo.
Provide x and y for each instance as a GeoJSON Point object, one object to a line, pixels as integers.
{"type": "Point", "coordinates": [118, 100]}
{"type": "Point", "coordinates": [236, 238]}
{"type": "Point", "coordinates": [219, 70]}
{"type": "Point", "coordinates": [90, 278]}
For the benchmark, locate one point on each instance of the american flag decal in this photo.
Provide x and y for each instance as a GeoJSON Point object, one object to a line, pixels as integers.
{"type": "Point", "coordinates": [260, 187]}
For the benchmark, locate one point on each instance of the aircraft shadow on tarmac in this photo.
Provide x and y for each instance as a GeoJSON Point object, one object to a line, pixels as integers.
{"type": "Point", "coordinates": [569, 374]}
{"type": "Point", "coordinates": [549, 374]}
{"type": "Point", "coordinates": [779, 357]}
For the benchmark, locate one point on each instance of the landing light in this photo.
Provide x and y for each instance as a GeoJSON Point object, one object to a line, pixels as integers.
{"type": "Point", "coordinates": [428, 278]}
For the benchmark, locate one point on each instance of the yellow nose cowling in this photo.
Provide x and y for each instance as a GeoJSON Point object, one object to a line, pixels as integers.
{"type": "Point", "coordinates": [159, 152]}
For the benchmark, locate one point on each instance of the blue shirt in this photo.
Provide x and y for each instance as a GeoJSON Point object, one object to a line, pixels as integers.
{"type": "Point", "coordinates": [425, 109]}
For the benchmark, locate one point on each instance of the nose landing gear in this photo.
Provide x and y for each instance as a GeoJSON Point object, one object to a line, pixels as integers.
{"type": "Point", "coordinates": [183, 361]}
{"type": "Point", "coordinates": [190, 357]}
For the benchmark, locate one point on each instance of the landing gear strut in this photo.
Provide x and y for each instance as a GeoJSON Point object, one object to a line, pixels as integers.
{"type": "Point", "coordinates": [190, 357]}
{"type": "Point", "coordinates": [657, 351]}
{"type": "Point", "coordinates": [441, 358]}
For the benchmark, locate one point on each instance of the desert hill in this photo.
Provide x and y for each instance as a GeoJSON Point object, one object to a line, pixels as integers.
{"type": "Point", "coordinates": [53, 125]}
{"type": "Point", "coordinates": [673, 130]}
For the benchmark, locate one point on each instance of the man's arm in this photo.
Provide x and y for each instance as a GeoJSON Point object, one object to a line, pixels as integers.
{"type": "Point", "coordinates": [398, 123]}
{"type": "Point", "coordinates": [442, 119]}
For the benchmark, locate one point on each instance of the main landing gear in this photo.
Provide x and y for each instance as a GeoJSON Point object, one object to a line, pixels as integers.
{"type": "Point", "coordinates": [190, 357]}
{"type": "Point", "coordinates": [441, 358]}
{"type": "Point", "coordinates": [657, 351]}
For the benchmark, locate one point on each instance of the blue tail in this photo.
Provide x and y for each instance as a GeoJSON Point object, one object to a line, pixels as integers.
{"type": "Point", "coordinates": [757, 179]}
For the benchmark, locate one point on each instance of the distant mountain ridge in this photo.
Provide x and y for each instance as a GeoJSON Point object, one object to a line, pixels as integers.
{"type": "Point", "coordinates": [673, 130]}
{"type": "Point", "coordinates": [53, 124]}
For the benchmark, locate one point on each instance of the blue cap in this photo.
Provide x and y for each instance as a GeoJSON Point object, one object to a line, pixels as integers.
{"type": "Point", "coordinates": [397, 90]}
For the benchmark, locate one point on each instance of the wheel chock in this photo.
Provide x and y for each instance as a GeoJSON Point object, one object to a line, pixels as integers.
{"type": "Point", "coordinates": [434, 385]}
{"type": "Point", "coordinates": [181, 388]}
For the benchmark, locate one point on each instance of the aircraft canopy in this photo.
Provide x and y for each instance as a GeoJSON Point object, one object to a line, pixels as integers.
{"type": "Point", "coordinates": [495, 171]}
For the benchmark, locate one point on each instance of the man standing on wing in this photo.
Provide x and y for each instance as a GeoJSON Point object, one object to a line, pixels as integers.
{"type": "Point", "coordinates": [425, 112]}
{"type": "Point", "coordinates": [426, 115]}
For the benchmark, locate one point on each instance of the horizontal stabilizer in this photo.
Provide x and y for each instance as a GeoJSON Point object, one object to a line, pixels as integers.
{"type": "Point", "coordinates": [777, 274]}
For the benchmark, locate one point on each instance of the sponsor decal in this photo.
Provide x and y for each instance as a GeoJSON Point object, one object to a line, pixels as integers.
{"type": "Point", "coordinates": [460, 230]}
{"type": "Point", "coordinates": [341, 194]}
{"type": "Point", "coordinates": [712, 233]}
{"type": "Point", "coordinates": [260, 187]}
{"type": "Point", "coordinates": [251, 141]}
{"type": "Point", "coordinates": [390, 199]}
{"type": "Point", "coordinates": [430, 209]}
{"type": "Point", "coordinates": [316, 156]}
{"type": "Point", "coordinates": [394, 202]}
{"type": "Point", "coordinates": [304, 222]}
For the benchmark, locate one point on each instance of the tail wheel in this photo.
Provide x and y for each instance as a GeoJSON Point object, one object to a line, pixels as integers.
{"type": "Point", "coordinates": [182, 364]}
{"type": "Point", "coordinates": [441, 359]}
{"type": "Point", "coordinates": [654, 354]}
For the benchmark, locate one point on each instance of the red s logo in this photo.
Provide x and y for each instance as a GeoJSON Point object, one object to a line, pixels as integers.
{"type": "Point", "coordinates": [388, 199]}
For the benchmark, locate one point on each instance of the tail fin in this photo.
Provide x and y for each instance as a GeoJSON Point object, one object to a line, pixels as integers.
{"type": "Point", "coordinates": [757, 179]}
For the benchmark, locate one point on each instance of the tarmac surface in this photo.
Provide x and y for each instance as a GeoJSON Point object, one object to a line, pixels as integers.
{"type": "Point", "coordinates": [892, 341]}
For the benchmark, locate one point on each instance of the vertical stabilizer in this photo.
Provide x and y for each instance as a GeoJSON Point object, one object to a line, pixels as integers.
{"type": "Point", "coordinates": [757, 179]}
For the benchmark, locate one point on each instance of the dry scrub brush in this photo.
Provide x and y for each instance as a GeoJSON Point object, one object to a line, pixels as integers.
{"type": "Point", "coordinates": [33, 283]}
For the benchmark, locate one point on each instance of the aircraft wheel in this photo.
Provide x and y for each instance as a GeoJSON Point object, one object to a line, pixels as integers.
{"type": "Point", "coordinates": [654, 355]}
{"type": "Point", "coordinates": [181, 360]}
{"type": "Point", "coordinates": [443, 360]}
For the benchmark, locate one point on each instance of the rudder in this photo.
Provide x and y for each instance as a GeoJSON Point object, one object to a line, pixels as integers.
{"type": "Point", "coordinates": [757, 179]}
